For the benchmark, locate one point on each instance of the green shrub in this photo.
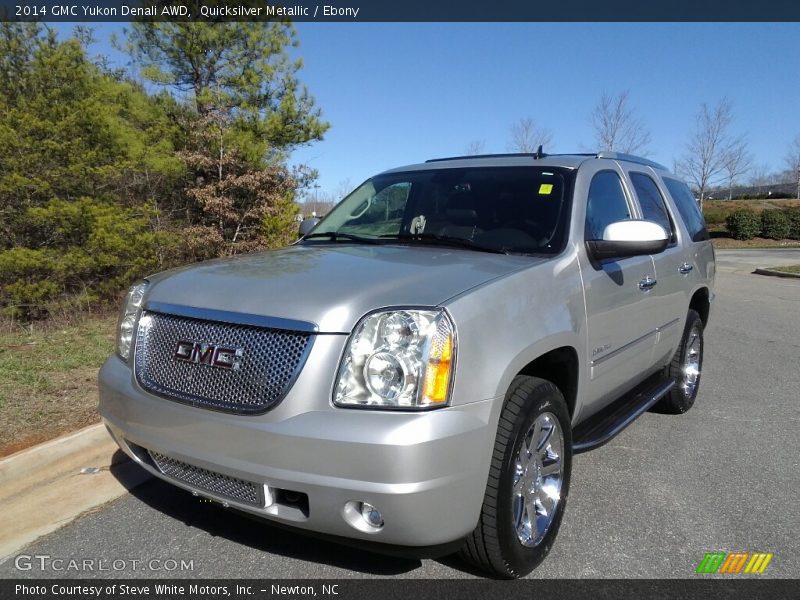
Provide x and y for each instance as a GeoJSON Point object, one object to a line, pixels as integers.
{"type": "Point", "coordinates": [743, 224]}
{"type": "Point", "coordinates": [774, 224]}
{"type": "Point", "coordinates": [89, 251]}
{"type": "Point", "coordinates": [27, 282]}
{"type": "Point", "coordinates": [715, 216]}
{"type": "Point", "coordinates": [793, 216]}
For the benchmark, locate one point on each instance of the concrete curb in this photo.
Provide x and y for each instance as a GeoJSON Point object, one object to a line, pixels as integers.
{"type": "Point", "coordinates": [776, 273]}
{"type": "Point", "coordinates": [44, 487]}
{"type": "Point", "coordinates": [42, 456]}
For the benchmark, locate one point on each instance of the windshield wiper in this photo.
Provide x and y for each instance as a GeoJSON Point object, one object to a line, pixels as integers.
{"type": "Point", "coordinates": [336, 236]}
{"type": "Point", "coordinates": [447, 240]}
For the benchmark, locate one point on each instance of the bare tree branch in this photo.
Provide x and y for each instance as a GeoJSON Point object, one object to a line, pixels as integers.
{"type": "Point", "coordinates": [527, 136]}
{"type": "Point", "coordinates": [320, 203]}
{"type": "Point", "coordinates": [793, 162]}
{"type": "Point", "coordinates": [343, 188]}
{"type": "Point", "coordinates": [709, 147]}
{"type": "Point", "coordinates": [737, 162]}
{"type": "Point", "coordinates": [616, 126]}
{"type": "Point", "coordinates": [475, 147]}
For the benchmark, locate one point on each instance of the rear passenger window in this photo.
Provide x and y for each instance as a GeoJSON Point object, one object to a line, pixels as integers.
{"type": "Point", "coordinates": [688, 209]}
{"type": "Point", "coordinates": [651, 201]}
{"type": "Point", "coordinates": [606, 204]}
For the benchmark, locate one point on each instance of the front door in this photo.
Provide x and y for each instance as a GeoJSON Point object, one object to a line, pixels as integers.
{"type": "Point", "coordinates": [620, 305]}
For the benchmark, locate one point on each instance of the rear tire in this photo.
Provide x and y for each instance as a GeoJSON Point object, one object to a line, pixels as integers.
{"type": "Point", "coordinates": [685, 368]}
{"type": "Point", "coordinates": [528, 484]}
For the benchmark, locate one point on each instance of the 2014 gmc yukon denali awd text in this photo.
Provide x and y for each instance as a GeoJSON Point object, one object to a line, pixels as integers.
{"type": "Point", "coordinates": [420, 368]}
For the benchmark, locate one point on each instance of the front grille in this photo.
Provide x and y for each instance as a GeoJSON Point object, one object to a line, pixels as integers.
{"type": "Point", "coordinates": [240, 490]}
{"type": "Point", "coordinates": [269, 362]}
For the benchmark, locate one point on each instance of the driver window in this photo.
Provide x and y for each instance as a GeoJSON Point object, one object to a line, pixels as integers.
{"type": "Point", "coordinates": [387, 205]}
{"type": "Point", "coordinates": [606, 204]}
{"type": "Point", "coordinates": [391, 201]}
{"type": "Point", "coordinates": [377, 214]}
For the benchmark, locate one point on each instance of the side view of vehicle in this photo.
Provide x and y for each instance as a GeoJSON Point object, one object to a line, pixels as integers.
{"type": "Point", "coordinates": [419, 369]}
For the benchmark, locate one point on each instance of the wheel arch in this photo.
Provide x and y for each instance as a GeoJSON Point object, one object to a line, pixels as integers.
{"type": "Point", "coordinates": [701, 303]}
{"type": "Point", "coordinates": [559, 366]}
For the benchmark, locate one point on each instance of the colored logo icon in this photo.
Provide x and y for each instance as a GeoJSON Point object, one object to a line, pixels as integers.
{"type": "Point", "coordinates": [735, 562]}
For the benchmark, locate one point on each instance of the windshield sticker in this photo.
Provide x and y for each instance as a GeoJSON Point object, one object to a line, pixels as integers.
{"type": "Point", "coordinates": [545, 189]}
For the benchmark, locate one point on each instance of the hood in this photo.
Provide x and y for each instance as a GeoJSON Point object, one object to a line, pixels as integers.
{"type": "Point", "coordinates": [331, 285]}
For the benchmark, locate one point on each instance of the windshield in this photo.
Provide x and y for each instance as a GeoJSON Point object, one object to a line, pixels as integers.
{"type": "Point", "coordinates": [505, 209]}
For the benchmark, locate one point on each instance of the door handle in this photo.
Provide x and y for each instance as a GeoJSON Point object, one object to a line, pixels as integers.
{"type": "Point", "coordinates": [646, 284]}
{"type": "Point", "coordinates": [685, 268]}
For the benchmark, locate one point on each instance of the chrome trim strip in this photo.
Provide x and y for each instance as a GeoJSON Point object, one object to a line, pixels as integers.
{"type": "Point", "coordinates": [224, 316]}
{"type": "Point", "coordinates": [627, 346]}
{"type": "Point", "coordinates": [668, 325]}
{"type": "Point", "coordinates": [631, 158]}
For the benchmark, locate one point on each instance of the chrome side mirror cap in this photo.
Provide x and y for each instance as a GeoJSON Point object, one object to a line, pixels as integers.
{"type": "Point", "coordinates": [624, 239]}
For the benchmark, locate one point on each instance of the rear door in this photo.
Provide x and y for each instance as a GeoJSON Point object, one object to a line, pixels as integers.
{"type": "Point", "coordinates": [672, 266]}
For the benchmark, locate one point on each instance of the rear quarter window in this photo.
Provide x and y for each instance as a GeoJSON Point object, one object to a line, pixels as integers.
{"type": "Point", "coordinates": [687, 208]}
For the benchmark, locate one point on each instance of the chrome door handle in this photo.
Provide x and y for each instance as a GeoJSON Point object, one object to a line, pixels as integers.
{"type": "Point", "coordinates": [648, 283]}
{"type": "Point", "coordinates": [685, 268]}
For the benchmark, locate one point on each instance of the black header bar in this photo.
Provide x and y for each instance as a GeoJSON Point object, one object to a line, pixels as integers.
{"type": "Point", "coordinates": [365, 11]}
{"type": "Point", "coordinates": [752, 588]}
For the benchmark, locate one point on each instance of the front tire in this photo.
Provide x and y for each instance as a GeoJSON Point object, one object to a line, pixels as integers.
{"type": "Point", "coordinates": [528, 481]}
{"type": "Point", "coordinates": [685, 368]}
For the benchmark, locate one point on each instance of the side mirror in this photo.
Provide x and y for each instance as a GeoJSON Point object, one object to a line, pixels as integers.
{"type": "Point", "coordinates": [628, 238]}
{"type": "Point", "coordinates": [306, 225]}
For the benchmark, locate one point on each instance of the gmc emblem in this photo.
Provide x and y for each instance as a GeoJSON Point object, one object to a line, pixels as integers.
{"type": "Point", "coordinates": [200, 353]}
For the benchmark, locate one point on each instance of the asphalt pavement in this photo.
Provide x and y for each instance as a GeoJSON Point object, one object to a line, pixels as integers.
{"type": "Point", "coordinates": [723, 477]}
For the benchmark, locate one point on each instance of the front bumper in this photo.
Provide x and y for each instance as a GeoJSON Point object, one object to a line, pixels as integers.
{"type": "Point", "coordinates": [426, 472]}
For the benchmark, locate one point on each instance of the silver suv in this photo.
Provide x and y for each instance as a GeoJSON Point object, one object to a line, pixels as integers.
{"type": "Point", "coordinates": [420, 368]}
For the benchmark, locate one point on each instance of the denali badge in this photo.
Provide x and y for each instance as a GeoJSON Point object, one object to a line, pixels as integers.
{"type": "Point", "coordinates": [200, 353]}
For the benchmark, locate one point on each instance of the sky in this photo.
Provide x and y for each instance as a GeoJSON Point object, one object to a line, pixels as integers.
{"type": "Point", "coordinates": [400, 93]}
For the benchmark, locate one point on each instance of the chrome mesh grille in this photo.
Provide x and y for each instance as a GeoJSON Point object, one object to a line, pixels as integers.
{"type": "Point", "coordinates": [240, 490]}
{"type": "Point", "coordinates": [270, 360]}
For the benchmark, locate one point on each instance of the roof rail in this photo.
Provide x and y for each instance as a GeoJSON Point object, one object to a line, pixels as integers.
{"type": "Point", "coordinates": [631, 158]}
{"type": "Point", "coordinates": [534, 155]}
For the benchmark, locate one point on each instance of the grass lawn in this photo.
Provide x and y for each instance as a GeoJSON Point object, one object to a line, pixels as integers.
{"type": "Point", "coordinates": [788, 269]}
{"type": "Point", "coordinates": [48, 377]}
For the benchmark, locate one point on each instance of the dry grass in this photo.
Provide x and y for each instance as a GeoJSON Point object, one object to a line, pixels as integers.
{"type": "Point", "coordinates": [48, 377]}
{"type": "Point", "coordinates": [717, 210]}
{"type": "Point", "coordinates": [755, 205]}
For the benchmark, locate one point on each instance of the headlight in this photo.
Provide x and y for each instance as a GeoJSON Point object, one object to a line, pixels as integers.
{"type": "Point", "coordinates": [398, 359]}
{"type": "Point", "coordinates": [128, 317]}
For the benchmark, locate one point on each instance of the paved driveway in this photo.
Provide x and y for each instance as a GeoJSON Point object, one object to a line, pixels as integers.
{"type": "Point", "coordinates": [749, 260]}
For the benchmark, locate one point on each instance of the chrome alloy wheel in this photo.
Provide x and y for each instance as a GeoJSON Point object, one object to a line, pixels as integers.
{"type": "Point", "coordinates": [691, 362]}
{"type": "Point", "coordinates": [537, 479]}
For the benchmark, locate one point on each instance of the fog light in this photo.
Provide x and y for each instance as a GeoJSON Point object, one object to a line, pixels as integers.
{"type": "Point", "coordinates": [371, 515]}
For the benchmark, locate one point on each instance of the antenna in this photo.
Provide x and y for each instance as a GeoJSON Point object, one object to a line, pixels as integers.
{"type": "Point", "coordinates": [539, 153]}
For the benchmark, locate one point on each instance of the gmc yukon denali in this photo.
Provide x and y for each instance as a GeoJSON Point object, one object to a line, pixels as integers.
{"type": "Point", "coordinates": [420, 368]}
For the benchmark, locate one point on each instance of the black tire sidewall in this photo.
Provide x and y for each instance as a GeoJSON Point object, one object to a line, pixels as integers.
{"type": "Point", "coordinates": [687, 402]}
{"type": "Point", "coordinates": [520, 559]}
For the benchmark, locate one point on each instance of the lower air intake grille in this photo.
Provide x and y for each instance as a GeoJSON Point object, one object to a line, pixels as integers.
{"type": "Point", "coordinates": [239, 490]}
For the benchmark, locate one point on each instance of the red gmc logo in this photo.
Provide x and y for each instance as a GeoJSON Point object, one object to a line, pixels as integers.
{"type": "Point", "coordinates": [200, 353]}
